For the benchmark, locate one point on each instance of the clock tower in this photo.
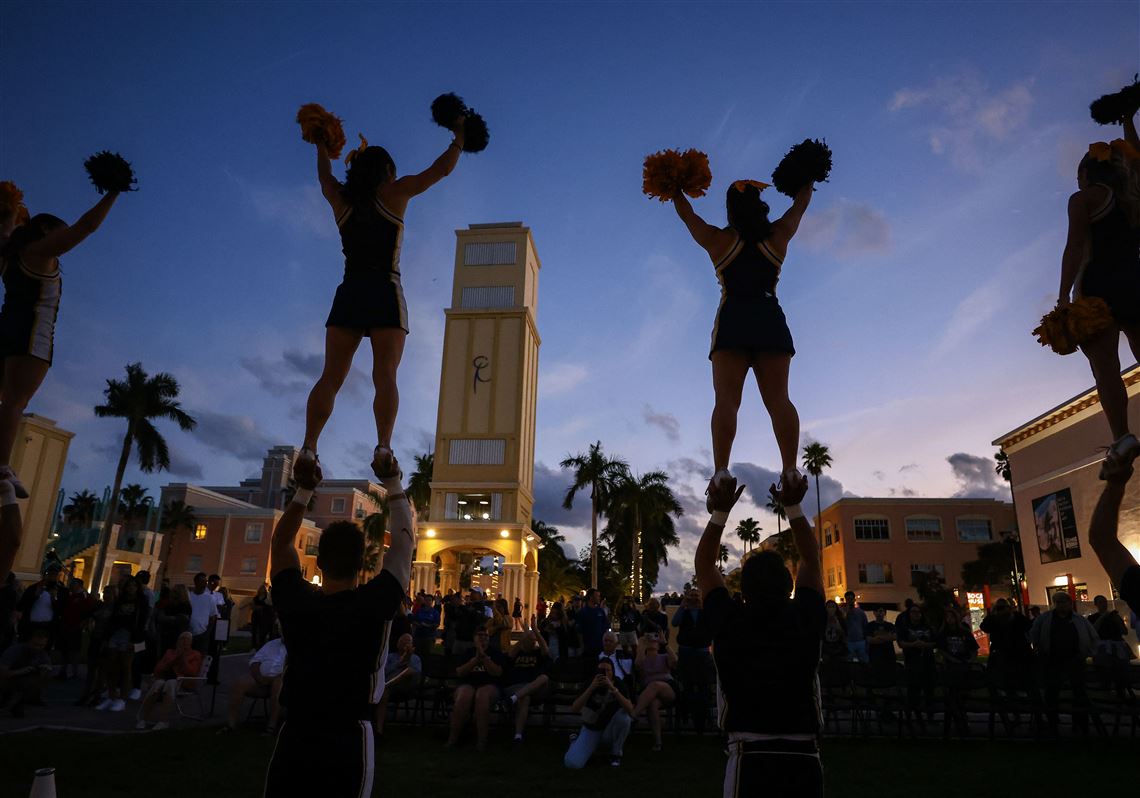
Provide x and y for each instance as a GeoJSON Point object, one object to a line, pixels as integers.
{"type": "Point", "coordinates": [483, 477]}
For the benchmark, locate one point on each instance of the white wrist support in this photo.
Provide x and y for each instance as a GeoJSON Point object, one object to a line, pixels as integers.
{"type": "Point", "coordinates": [302, 497]}
{"type": "Point", "coordinates": [719, 517]}
{"type": "Point", "coordinates": [794, 511]}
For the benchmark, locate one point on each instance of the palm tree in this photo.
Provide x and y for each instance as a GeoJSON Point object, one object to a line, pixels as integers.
{"type": "Point", "coordinates": [81, 510]}
{"type": "Point", "coordinates": [138, 399]}
{"type": "Point", "coordinates": [176, 515]}
{"type": "Point", "coordinates": [550, 543]}
{"type": "Point", "coordinates": [419, 485]}
{"type": "Point", "coordinates": [722, 556]}
{"type": "Point", "coordinates": [749, 531]}
{"type": "Point", "coordinates": [375, 525]}
{"type": "Point", "coordinates": [816, 458]}
{"type": "Point", "coordinates": [598, 472]}
{"type": "Point", "coordinates": [639, 519]}
{"type": "Point", "coordinates": [133, 503]}
{"type": "Point", "coordinates": [776, 508]}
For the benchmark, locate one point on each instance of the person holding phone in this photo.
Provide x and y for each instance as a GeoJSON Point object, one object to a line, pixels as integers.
{"type": "Point", "coordinates": [607, 715]}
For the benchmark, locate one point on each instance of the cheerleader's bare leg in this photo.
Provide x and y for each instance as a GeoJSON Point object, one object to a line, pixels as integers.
{"type": "Point", "coordinates": [387, 351]}
{"type": "Point", "coordinates": [729, 370]}
{"type": "Point", "coordinates": [21, 377]}
{"type": "Point", "coordinates": [340, 346]}
{"type": "Point", "coordinates": [1104, 358]}
{"type": "Point", "coordinates": [771, 369]}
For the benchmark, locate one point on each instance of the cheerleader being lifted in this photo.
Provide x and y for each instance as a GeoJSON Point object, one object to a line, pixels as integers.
{"type": "Point", "coordinates": [750, 331]}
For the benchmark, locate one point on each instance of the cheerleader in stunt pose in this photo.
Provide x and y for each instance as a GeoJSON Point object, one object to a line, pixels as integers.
{"type": "Point", "coordinates": [369, 210]}
{"type": "Point", "coordinates": [1101, 259]}
{"type": "Point", "coordinates": [750, 331]}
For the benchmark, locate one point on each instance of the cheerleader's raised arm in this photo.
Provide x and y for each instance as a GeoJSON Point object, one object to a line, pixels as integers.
{"type": "Point", "coordinates": [784, 228]}
{"type": "Point", "coordinates": [63, 239]}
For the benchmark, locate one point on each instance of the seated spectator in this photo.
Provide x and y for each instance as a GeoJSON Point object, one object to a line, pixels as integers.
{"type": "Point", "coordinates": [526, 679]}
{"type": "Point", "coordinates": [881, 641]}
{"type": "Point", "coordinates": [607, 714]}
{"type": "Point", "coordinates": [266, 672]}
{"type": "Point", "coordinates": [657, 690]}
{"type": "Point", "coordinates": [477, 690]}
{"type": "Point", "coordinates": [834, 635]}
{"type": "Point", "coordinates": [1064, 641]}
{"type": "Point", "coordinates": [404, 671]}
{"type": "Point", "coordinates": [425, 626]}
{"type": "Point", "coordinates": [24, 671]}
{"type": "Point", "coordinates": [401, 624]}
{"type": "Point", "coordinates": [180, 661]}
{"type": "Point", "coordinates": [621, 663]}
{"type": "Point", "coordinates": [555, 632]}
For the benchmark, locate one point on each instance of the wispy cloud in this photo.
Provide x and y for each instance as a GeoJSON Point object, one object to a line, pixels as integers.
{"type": "Point", "coordinates": [666, 422]}
{"type": "Point", "coordinates": [560, 378]}
{"type": "Point", "coordinates": [239, 436]}
{"type": "Point", "coordinates": [297, 371]}
{"type": "Point", "coordinates": [847, 229]}
{"type": "Point", "coordinates": [296, 207]}
{"type": "Point", "coordinates": [964, 115]}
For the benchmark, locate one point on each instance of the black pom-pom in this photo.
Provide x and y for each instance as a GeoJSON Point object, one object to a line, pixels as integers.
{"type": "Point", "coordinates": [807, 162]}
{"type": "Point", "coordinates": [475, 134]}
{"type": "Point", "coordinates": [109, 171]}
{"type": "Point", "coordinates": [1112, 109]}
{"type": "Point", "coordinates": [446, 108]}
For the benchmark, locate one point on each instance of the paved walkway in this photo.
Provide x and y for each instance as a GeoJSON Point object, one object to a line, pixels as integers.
{"type": "Point", "coordinates": [60, 711]}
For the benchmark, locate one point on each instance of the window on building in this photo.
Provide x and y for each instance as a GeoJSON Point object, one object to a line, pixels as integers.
{"type": "Point", "coordinates": [473, 507]}
{"type": "Point", "coordinates": [975, 530]}
{"type": "Point", "coordinates": [249, 565]}
{"type": "Point", "coordinates": [338, 505]}
{"type": "Point", "coordinates": [919, 571]}
{"type": "Point", "coordinates": [875, 573]}
{"type": "Point", "coordinates": [872, 529]}
{"type": "Point", "coordinates": [200, 532]}
{"type": "Point", "coordinates": [839, 575]}
{"type": "Point", "coordinates": [920, 529]}
{"type": "Point", "coordinates": [827, 536]}
{"type": "Point", "coordinates": [831, 577]}
{"type": "Point", "coordinates": [194, 563]}
{"type": "Point", "coordinates": [253, 533]}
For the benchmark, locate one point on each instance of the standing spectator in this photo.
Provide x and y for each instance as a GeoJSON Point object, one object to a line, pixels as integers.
{"type": "Point", "coordinates": [917, 643]}
{"type": "Point", "coordinates": [469, 618]}
{"type": "Point", "coordinates": [694, 662]}
{"type": "Point", "coordinates": [404, 670]}
{"type": "Point", "coordinates": [767, 651]}
{"type": "Point", "coordinates": [855, 625]}
{"type": "Point", "coordinates": [176, 663]}
{"type": "Point", "coordinates": [628, 620]}
{"type": "Point", "coordinates": [96, 647]}
{"type": "Point", "coordinates": [477, 690]}
{"type": "Point", "coordinates": [903, 618]}
{"type": "Point", "coordinates": [266, 673]}
{"type": "Point", "coordinates": [76, 615]}
{"type": "Point", "coordinates": [573, 630]}
{"type": "Point", "coordinates": [517, 615]}
{"type": "Point", "coordinates": [1010, 666]}
{"type": "Point", "coordinates": [956, 644]}
{"type": "Point", "coordinates": [41, 605]}
{"type": "Point", "coordinates": [1110, 629]}
{"type": "Point", "coordinates": [554, 632]}
{"type": "Point", "coordinates": [173, 617]}
{"type": "Point", "coordinates": [425, 625]}
{"type": "Point", "coordinates": [834, 634]}
{"type": "Point", "coordinates": [261, 616]}
{"type": "Point", "coordinates": [126, 628]}
{"type": "Point", "coordinates": [9, 600]}
{"type": "Point", "coordinates": [592, 624]}
{"type": "Point", "coordinates": [203, 614]}
{"type": "Point", "coordinates": [655, 667]}
{"type": "Point", "coordinates": [607, 715]}
{"type": "Point", "coordinates": [145, 659]}
{"type": "Point", "coordinates": [654, 621]}
{"type": "Point", "coordinates": [881, 641]}
{"type": "Point", "coordinates": [526, 678]}
{"type": "Point", "coordinates": [224, 607]}
{"type": "Point", "coordinates": [499, 627]}
{"type": "Point", "coordinates": [452, 607]}
{"type": "Point", "coordinates": [540, 610]}
{"type": "Point", "coordinates": [24, 672]}
{"type": "Point", "coordinates": [1064, 640]}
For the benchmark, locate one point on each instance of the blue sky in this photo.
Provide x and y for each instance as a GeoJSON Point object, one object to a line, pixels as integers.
{"type": "Point", "coordinates": [910, 290]}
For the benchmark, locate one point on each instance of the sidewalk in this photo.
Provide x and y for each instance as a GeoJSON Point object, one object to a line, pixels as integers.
{"type": "Point", "coordinates": [60, 712]}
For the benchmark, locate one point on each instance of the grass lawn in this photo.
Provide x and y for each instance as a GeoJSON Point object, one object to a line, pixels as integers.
{"type": "Point", "coordinates": [413, 762]}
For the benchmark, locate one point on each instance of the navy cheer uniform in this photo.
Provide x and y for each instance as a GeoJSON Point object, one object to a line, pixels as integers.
{"type": "Point", "coordinates": [31, 304]}
{"type": "Point", "coordinates": [749, 317]}
{"type": "Point", "coordinates": [370, 294]}
{"type": "Point", "coordinates": [1112, 271]}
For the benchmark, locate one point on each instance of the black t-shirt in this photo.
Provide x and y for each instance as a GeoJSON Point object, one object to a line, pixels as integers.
{"type": "Point", "coordinates": [880, 653]}
{"type": "Point", "coordinates": [957, 643]}
{"type": "Point", "coordinates": [692, 628]}
{"type": "Point", "coordinates": [1130, 588]}
{"type": "Point", "coordinates": [767, 659]}
{"type": "Point", "coordinates": [479, 675]}
{"type": "Point", "coordinates": [336, 644]}
{"type": "Point", "coordinates": [526, 666]}
{"type": "Point", "coordinates": [629, 619]}
{"type": "Point", "coordinates": [1064, 642]}
{"type": "Point", "coordinates": [468, 617]}
{"type": "Point", "coordinates": [1008, 635]}
{"type": "Point", "coordinates": [655, 622]}
{"type": "Point", "coordinates": [917, 633]}
{"type": "Point", "coordinates": [1109, 626]}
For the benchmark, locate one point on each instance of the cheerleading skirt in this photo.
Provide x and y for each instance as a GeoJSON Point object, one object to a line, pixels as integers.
{"type": "Point", "coordinates": [368, 301]}
{"type": "Point", "coordinates": [785, 767]}
{"type": "Point", "coordinates": [755, 325]}
{"type": "Point", "coordinates": [27, 319]}
{"type": "Point", "coordinates": [1118, 285]}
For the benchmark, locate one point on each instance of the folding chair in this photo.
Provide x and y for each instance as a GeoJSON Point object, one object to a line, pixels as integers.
{"type": "Point", "coordinates": [194, 687]}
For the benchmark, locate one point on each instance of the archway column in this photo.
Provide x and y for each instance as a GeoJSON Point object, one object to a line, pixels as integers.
{"type": "Point", "coordinates": [423, 576]}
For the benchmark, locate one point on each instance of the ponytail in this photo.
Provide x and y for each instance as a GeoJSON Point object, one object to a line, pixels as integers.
{"type": "Point", "coordinates": [747, 213]}
{"type": "Point", "coordinates": [368, 169]}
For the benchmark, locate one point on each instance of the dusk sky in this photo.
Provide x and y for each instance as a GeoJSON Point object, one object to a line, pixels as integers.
{"type": "Point", "coordinates": [911, 289]}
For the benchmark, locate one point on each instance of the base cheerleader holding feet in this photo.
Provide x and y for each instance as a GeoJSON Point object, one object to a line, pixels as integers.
{"type": "Point", "coordinates": [29, 264]}
{"type": "Point", "coordinates": [750, 331]}
{"type": "Point", "coordinates": [1100, 276]}
{"type": "Point", "coordinates": [369, 211]}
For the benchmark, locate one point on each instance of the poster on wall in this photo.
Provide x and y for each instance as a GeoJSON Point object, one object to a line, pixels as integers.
{"type": "Point", "coordinates": [1056, 525]}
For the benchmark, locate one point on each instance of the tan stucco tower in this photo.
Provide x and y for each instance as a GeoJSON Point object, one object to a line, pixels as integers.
{"type": "Point", "coordinates": [482, 482]}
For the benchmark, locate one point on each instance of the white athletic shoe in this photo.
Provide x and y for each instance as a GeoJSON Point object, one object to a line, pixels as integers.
{"type": "Point", "coordinates": [118, 705]}
{"type": "Point", "coordinates": [8, 475]}
{"type": "Point", "coordinates": [160, 726]}
{"type": "Point", "coordinates": [105, 704]}
{"type": "Point", "coordinates": [140, 726]}
{"type": "Point", "coordinates": [134, 695]}
{"type": "Point", "coordinates": [1119, 456]}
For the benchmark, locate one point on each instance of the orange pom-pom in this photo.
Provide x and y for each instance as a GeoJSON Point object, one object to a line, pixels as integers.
{"type": "Point", "coordinates": [669, 172]}
{"type": "Point", "coordinates": [12, 201]}
{"type": "Point", "coordinates": [1064, 329]}
{"type": "Point", "coordinates": [320, 126]}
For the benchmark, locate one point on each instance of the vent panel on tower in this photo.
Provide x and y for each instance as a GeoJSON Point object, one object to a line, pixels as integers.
{"type": "Point", "coordinates": [493, 253]}
{"type": "Point", "coordinates": [477, 452]}
{"type": "Point", "coordinates": [488, 296]}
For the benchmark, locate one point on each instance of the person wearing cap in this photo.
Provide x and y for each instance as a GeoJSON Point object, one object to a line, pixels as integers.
{"type": "Point", "coordinates": [41, 606]}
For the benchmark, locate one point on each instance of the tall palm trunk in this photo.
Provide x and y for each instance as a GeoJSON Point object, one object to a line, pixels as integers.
{"type": "Point", "coordinates": [109, 521]}
{"type": "Point", "coordinates": [593, 536]}
{"type": "Point", "coordinates": [818, 515]}
{"type": "Point", "coordinates": [635, 554]}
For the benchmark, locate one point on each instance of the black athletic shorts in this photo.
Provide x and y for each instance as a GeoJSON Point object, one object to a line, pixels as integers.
{"type": "Point", "coordinates": [321, 758]}
{"type": "Point", "coordinates": [784, 768]}
{"type": "Point", "coordinates": [369, 300]}
{"type": "Point", "coordinates": [753, 325]}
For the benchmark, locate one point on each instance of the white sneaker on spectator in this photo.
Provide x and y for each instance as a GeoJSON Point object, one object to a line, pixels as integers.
{"type": "Point", "coordinates": [160, 726]}
{"type": "Point", "coordinates": [118, 705]}
{"type": "Point", "coordinates": [104, 704]}
{"type": "Point", "coordinates": [134, 695]}
{"type": "Point", "coordinates": [140, 725]}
